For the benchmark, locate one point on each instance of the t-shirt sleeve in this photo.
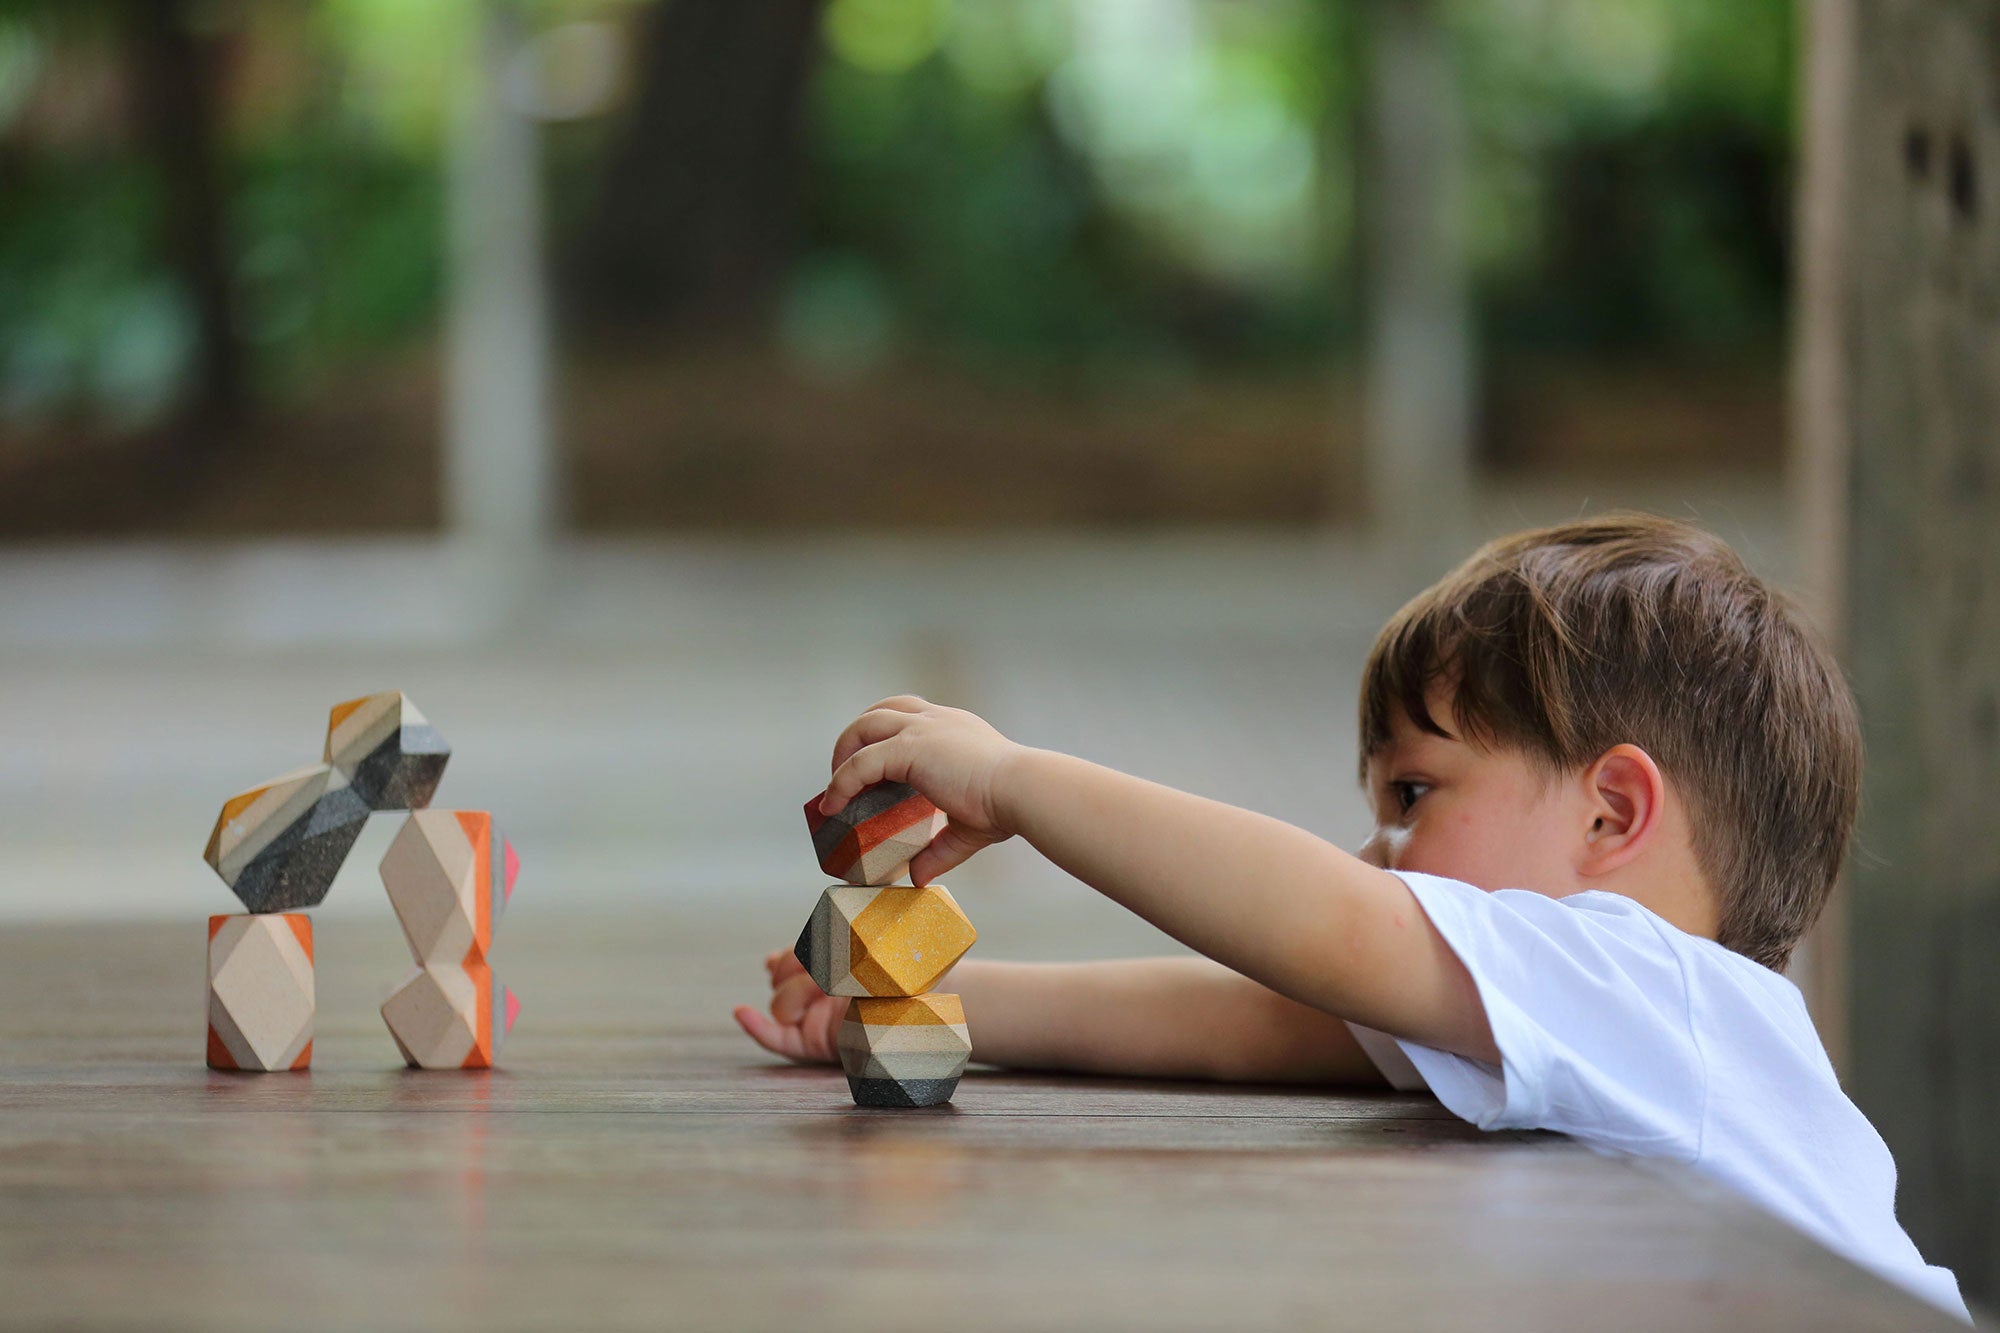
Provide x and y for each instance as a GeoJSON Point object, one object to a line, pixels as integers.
{"type": "Point", "coordinates": [1386, 1054]}
{"type": "Point", "coordinates": [1589, 1008]}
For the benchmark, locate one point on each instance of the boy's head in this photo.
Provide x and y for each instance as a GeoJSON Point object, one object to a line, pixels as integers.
{"type": "Point", "coordinates": [1627, 672]}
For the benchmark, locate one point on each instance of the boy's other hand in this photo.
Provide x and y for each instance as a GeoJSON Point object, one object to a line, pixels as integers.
{"type": "Point", "coordinates": [953, 757]}
{"type": "Point", "coordinates": [804, 1021]}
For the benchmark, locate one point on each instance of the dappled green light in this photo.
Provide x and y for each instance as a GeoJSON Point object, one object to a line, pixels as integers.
{"type": "Point", "coordinates": [1004, 50]}
{"type": "Point", "coordinates": [144, 357]}
{"type": "Point", "coordinates": [403, 61]}
{"type": "Point", "coordinates": [20, 65]}
{"type": "Point", "coordinates": [1194, 134]}
{"type": "Point", "coordinates": [885, 36]}
{"type": "Point", "coordinates": [836, 321]}
{"type": "Point", "coordinates": [860, 115]}
{"type": "Point", "coordinates": [1132, 84]}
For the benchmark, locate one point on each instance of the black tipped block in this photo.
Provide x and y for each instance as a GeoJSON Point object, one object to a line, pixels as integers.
{"type": "Point", "coordinates": [298, 867]}
{"type": "Point", "coordinates": [403, 773]}
{"type": "Point", "coordinates": [280, 845]}
{"type": "Point", "coordinates": [392, 756]}
{"type": "Point", "coordinates": [902, 1093]}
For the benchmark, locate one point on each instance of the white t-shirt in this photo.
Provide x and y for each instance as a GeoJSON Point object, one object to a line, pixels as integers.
{"type": "Point", "coordinates": [1634, 1037]}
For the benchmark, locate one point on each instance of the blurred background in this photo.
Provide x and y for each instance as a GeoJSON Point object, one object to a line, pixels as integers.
{"type": "Point", "coordinates": [646, 386]}
{"type": "Point", "coordinates": [660, 383]}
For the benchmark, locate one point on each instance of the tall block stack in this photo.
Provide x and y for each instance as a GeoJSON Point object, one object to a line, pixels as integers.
{"type": "Point", "coordinates": [449, 874]}
{"type": "Point", "coordinates": [279, 847]}
{"type": "Point", "coordinates": [885, 945]}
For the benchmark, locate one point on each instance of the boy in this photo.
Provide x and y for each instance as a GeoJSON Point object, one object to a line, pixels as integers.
{"type": "Point", "coordinates": [1614, 777]}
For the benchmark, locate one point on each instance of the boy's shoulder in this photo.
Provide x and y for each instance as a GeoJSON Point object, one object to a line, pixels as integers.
{"type": "Point", "coordinates": [1596, 986]}
{"type": "Point", "coordinates": [1721, 983]}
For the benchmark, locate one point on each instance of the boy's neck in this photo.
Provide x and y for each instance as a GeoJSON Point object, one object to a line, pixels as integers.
{"type": "Point", "coordinates": [1668, 881]}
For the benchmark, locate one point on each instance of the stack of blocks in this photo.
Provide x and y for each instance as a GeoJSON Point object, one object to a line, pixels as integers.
{"type": "Point", "coordinates": [279, 847]}
{"type": "Point", "coordinates": [885, 945]}
{"type": "Point", "coordinates": [449, 874]}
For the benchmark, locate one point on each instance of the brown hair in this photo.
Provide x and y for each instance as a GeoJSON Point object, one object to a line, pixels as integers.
{"type": "Point", "coordinates": [1566, 641]}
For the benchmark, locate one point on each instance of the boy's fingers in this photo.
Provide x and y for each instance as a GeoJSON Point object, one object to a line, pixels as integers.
{"type": "Point", "coordinates": [903, 703]}
{"type": "Point", "coordinates": [783, 966]}
{"type": "Point", "coordinates": [792, 998]}
{"type": "Point", "coordinates": [773, 1037]}
{"type": "Point", "coordinates": [825, 1027]}
{"type": "Point", "coordinates": [864, 768]}
{"type": "Point", "coordinates": [877, 724]}
{"type": "Point", "coordinates": [947, 851]}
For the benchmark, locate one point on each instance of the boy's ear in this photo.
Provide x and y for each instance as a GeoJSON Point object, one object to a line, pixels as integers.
{"type": "Point", "coordinates": [1626, 796]}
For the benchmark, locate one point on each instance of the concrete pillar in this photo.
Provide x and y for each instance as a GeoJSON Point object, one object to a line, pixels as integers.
{"type": "Point", "coordinates": [501, 486]}
{"type": "Point", "coordinates": [1419, 379]}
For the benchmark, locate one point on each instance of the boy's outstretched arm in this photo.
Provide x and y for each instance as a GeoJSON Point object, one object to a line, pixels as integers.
{"type": "Point", "coordinates": [1139, 1017]}
{"type": "Point", "coordinates": [1259, 896]}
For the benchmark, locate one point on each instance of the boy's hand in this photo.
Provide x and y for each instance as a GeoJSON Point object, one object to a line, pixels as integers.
{"type": "Point", "coordinates": [804, 1020]}
{"type": "Point", "coordinates": [954, 758]}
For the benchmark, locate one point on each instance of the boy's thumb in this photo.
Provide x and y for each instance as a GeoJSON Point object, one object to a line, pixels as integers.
{"type": "Point", "coordinates": [947, 851]}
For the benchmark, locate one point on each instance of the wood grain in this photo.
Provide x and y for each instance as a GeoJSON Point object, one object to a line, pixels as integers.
{"type": "Point", "coordinates": [637, 1163]}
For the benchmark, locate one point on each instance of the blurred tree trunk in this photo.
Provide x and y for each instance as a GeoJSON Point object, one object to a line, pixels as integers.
{"type": "Point", "coordinates": [175, 78]}
{"type": "Point", "coordinates": [695, 218]}
{"type": "Point", "coordinates": [1899, 390]}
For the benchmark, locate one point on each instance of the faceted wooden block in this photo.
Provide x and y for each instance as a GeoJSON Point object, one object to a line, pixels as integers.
{"type": "Point", "coordinates": [391, 754]}
{"type": "Point", "coordinates": [280, 845]}
{"type": "Point", "coordinates": [449, 874]}
{"type": "Point", "coordinates": [904, 1052]}
{"type": "Point", "coordinates": [448, 1016]}
{"type": "Point", "coordinates": [874, 836]}
{"type": "Point", "coordinates": [891, 940]}
{"type": "Point", "coordinates": [260, 992]}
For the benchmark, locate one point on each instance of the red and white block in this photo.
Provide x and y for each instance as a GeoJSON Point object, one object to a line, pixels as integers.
{"type": "Point", "coordinates": [874, 836]}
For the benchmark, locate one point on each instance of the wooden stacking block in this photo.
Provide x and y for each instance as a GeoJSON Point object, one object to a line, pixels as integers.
{"type": "Point", "coordinates": [280, 845]}
{"type": "Point", "coordinates": [874, 836]}
{"type": "Point", "coordinates": [391, 754]}
{"type": "Point", "coordinates": [449, 874]}
{"type": "Point", "coordinates": [904, 1052]}
{"type": "Point", "coordinates": [451, 1016]}
{"type": "Point", "coordinates": [891, 940]}
{"type": "Point", "coordinates": [260, 992]}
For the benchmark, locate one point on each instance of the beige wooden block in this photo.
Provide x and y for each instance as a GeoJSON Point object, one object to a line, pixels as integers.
{"type": "Point", "coordinates": [260, 992]}
{"type": "Point", "coordinates": [904, 1051]}
{"type": "Point", "coordinates": [448, 1016]}
{"type": "Point", "coordinates": [449, 875]}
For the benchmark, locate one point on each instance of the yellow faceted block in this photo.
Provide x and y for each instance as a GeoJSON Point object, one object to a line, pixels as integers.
{"type": "Point", "coordinates": [883, 941]}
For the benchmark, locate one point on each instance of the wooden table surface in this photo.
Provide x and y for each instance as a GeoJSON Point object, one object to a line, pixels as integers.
{"type": "Point", "coordinates": [637, 1163]}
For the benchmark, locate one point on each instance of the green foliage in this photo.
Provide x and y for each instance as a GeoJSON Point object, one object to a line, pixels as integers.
{"type": "Point", "coordinates": [1057, 180]}
{"type": "Point", "coordinates": [1034, 183]}
{"type": "Point", "coordinates": [1630, 164]}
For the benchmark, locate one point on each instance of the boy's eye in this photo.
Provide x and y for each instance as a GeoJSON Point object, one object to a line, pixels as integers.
{"type": "Point", "coordinates": [1407, 794]}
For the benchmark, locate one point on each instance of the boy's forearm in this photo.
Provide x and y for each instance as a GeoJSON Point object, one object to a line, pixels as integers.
{"type": "Point", "coordinates": [1151, 1018]}
{"type": "Point", "coordinates": [1262, 897]}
